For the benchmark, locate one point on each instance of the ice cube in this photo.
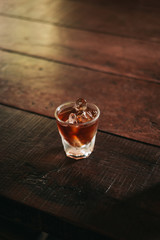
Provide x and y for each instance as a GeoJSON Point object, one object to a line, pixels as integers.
{"type": "Point", "coordinates": [81, 104]}
{"type": "Point", "coordinates": [72, 118]}
{"type": "Point", "coordinates": [85, 116]}
{"type": "Point", "coordinates": [94, 113]}
{"type": "Point", "coordinates": [89, 115]}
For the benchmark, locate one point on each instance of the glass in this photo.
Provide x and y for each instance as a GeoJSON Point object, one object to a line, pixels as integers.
{"type": "Point", "coordinates": [78, 138]}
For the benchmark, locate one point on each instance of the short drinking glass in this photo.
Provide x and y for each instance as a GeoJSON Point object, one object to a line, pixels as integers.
{"type": "Point", "coordinates": [77, 124]}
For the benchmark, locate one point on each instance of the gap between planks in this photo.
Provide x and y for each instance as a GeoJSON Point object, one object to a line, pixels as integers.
{"type": "Point", "coordinates": [72, 27]}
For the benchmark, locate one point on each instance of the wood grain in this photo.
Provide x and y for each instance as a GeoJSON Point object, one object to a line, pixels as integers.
{"type": "Point", "coordinates": [115, 192]}
{"type": "Point", "coordinates": [138, 19]}
{"type": "Point", "coordinates": [101, 52]}
{"type": "Point", "coordinates": [128, 107]}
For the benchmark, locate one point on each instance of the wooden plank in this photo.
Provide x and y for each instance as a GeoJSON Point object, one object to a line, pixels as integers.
{"type": "Point", "coordinates": [118, 55]}
{"type": "Point", "coordinates": [136, 19]}
{"type": "Point", "coordinates": [128, 107]}
{"type": "Point", "coordinates": [114, 192]}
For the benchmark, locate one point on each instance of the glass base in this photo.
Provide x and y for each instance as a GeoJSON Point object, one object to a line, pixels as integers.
{"type": "Point", "coordinates": [78, 152]}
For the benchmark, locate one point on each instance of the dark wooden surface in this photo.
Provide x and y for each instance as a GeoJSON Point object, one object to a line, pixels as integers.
{"type": "Point", "coordinates": [138, 19]}
{"type": "Point", "coordinates": [128, 107]}
{"type": "Point", "coordinates": [113, 191]}
{"type": "Point", "coordinates": [109, 53]}
{"type": "Point", "coordinates": [85, 49]}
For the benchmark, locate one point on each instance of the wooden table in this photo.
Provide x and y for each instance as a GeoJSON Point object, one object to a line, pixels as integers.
{"type": "Point", "coordinates": [107, 52]}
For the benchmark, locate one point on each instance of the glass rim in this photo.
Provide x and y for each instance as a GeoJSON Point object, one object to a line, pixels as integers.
{"type": "Point", "coordinates": [77, 124]}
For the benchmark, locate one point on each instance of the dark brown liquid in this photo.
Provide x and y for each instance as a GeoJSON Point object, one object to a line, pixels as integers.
{"type": "Point", "coordinates": [79, 134]}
